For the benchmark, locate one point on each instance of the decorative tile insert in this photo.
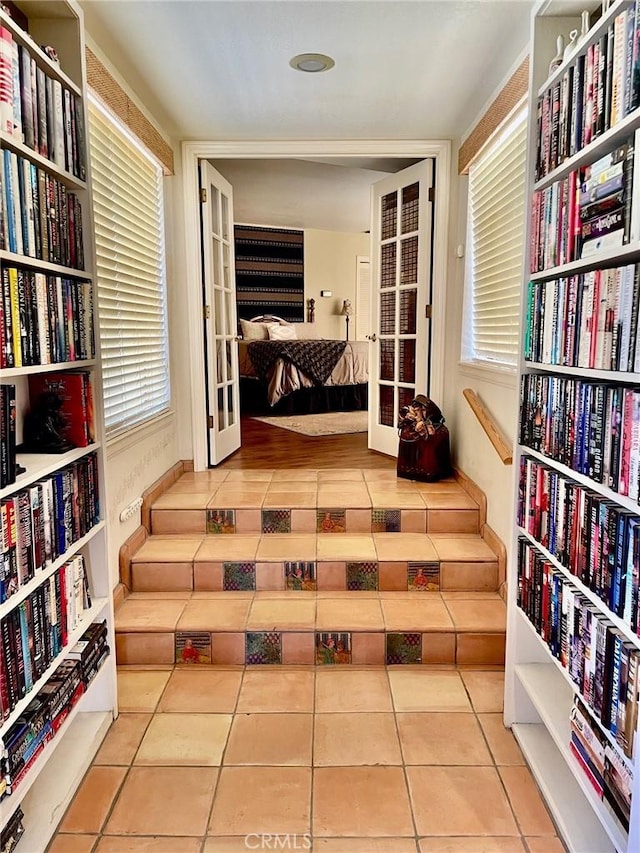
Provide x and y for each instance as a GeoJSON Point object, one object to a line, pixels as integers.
{"type": "Point", "coordinates": [193, 647]}
{"type": "Point", "coordinates": [263, 647]}
{"type": "Point", "coordinates": [333, 647]}
{"type": "Point", "coordinates": [332, 520]}
{"type": "Point", "coordinates": [385, 520]}
{"type": "Point", "coordinates": [276, 521]}
{"type": "Point", "coordinates": [301, 575]}
{"type": "Point", "coordinates": [423, 576]}
{"type": "Point", "coordinates": [221, 521]}
{"type": "Point", "coordinates": [239, 576]}
{"type": "Point", "coordinates": [404, 648]}
{"type": "Point", "coordinates": [362, 576]}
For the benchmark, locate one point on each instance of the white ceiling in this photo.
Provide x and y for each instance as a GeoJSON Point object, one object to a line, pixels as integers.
{"type": "Point", "coordinates": [405, 69]}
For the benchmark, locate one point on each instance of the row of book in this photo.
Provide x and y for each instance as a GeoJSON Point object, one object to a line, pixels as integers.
{"type": "Point", "coordinates": [41, 721]}
{"type": "Point", "coordinates": [592, 95]}
{"type": "Point", "coordinates": [592, 427]}
{"type": "Point", "coordinates": [38, 110]}
{"type": "Point", "coordinates": [588, 320]}
{"type": "Point", "coordinates": [38, 524]}
{"type": "Point", "coordinates": [44, 319]}
{"type": "Point", "coordinates": [41, 218]}
{"type": "Point", "coordinates": [609, 774]}
{"type": "Point", "coordinates": [588, 211]}
{"type": "Point", "coordinates": [600, 662]}
{"type": "Point", "coordinates": [593, 538]}
{"type": "Point", "coordinates": [8, 464]}
{"type": "Point", "coordinates": [12, 832]}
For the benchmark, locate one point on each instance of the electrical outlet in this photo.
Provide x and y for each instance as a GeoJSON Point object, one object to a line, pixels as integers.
{"type": "Point", "coordinates": [131, 509]}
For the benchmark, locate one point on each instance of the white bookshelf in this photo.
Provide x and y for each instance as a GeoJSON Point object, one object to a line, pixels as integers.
{"type": "Point", "coordinates": [51, 781]}
{"type": "Point", "coordinates": [539, 691]}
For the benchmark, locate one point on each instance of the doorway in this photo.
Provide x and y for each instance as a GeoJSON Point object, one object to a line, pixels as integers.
{"type": "Point", "coordinates": [193, 152]}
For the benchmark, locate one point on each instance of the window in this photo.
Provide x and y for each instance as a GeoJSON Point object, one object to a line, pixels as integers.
{"type": "Point", "coordinates": [495, 245]}
{"type": "Point", "coordinates": [130, 264]}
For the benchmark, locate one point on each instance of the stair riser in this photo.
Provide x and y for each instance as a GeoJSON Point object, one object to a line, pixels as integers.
{"type": "Point", "coordinates": [305, 648]}
{"type": "Point", "coordinates": [341, 576]}
{"type": "Point", "coordinates": [201, 521]}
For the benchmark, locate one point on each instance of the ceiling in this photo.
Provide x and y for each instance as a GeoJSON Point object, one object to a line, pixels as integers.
{"type": "Point", "coordinates": [404, 69]}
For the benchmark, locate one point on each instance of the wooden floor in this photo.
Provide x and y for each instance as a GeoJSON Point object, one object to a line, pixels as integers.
{"type": "Point", "coordinates": [265, 446]}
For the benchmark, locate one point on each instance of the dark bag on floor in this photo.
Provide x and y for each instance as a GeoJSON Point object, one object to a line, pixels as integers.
{"type": "Point", "coordinates": [423, 452]}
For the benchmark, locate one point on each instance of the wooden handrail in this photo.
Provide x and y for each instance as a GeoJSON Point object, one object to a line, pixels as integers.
{"type": "Point", "coordinates": [502, 446]}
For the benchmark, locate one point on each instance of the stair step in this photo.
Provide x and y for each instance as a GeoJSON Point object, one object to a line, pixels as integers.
{"type": "Point", "coordinates": [380, 561]}
{"type": "Point", "coordinates": [277, 627]}
{"type": "Point", "coordinates": [329, 502]}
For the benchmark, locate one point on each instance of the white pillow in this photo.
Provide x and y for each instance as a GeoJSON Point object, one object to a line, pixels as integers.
{"type": "Point", "coordinates": [254, 331]}
{"type": "Point", "coordinates": [306, 332]}
{"type": "Point", "coordinates": [281, 333]}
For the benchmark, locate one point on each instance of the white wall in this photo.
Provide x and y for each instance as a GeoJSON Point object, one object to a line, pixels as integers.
{"type": "Point", "coordinates": [330, 264]}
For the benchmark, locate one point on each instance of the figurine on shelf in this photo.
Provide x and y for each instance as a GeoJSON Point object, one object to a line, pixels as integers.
{"type": "Point", "coordinates": [573, 41]}
{"type": "Point", "coordinates": [557, 59]}
{"type": "Point", "coordinates": [43, 426]}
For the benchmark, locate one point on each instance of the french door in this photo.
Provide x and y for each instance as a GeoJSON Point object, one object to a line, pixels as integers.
{"type": "Point", "coordinates": [401, 251]}
{"type": "Point", "coordinates": [219, 312]}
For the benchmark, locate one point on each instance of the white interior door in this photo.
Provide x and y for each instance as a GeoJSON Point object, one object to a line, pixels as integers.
{"type": "Point", "coordinates": [219, 311]}
{"type": "Point", "coordinates": [399, 355]}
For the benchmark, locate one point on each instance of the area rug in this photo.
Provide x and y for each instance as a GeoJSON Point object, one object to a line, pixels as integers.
{"type": "Point", "coordinates": [328, 423]}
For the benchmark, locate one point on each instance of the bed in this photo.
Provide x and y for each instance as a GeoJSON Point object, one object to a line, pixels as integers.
{"type": "Point", "coordinates": [285, 368]}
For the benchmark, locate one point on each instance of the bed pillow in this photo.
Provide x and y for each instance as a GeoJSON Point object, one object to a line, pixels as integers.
{"type": "Point", "coordinates": [306, 332]}
{"type": "Point", "coordinates": [254, 331]}
{"type": "Point", "coordinates": [281, 333]}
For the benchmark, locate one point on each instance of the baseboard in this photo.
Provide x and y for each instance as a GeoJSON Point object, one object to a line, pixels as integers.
{"type": "Point", "coordinates": [475, 492]}
{"type": "Point", "coordinates": [119, 595]}
{"type": "Point", "coordinates": [126, 552]}
{"type": "Point", "coordinates": [151, 495]}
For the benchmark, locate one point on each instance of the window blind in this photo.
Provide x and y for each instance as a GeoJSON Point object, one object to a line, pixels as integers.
{"type": "Point", "coordinates": [130, 268]}
{"type": "Point", "coordinates": [496, 242]}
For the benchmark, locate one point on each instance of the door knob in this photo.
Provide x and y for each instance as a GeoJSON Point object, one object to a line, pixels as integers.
{"type": "Point", "coordinates": [373, 338]}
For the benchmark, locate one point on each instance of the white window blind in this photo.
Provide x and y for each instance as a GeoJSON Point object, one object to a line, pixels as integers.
{"type": "Point", "coordinates": [495, 244]}
{"type": "Point", "coordinates": [130, 261]}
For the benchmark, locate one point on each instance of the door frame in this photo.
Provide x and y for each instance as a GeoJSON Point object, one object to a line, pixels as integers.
{"type": "Point", "coordinates": [192, 152]}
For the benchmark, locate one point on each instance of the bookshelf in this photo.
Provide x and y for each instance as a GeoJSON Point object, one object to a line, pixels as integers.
{"type": "Point", "coordinates": [269, 272]}
{"type": "Point", "coordinates": [573, 643]}
{"type": "Point", "coordinates": [55, 588]}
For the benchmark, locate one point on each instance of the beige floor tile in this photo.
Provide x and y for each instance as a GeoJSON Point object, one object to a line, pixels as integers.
{"type": "Point", "coordinates": [139, 615]}
{"type": "Point", "coordinates": [276, 691]}
{"type": "Point", "coordinates": [145, 647]}
{"type": "Point", "coordinates": [426, 690]}
{"type": "Point", "coordinates": [382, 498]}
{"type": "Point", "coordinates": [148, 844]}
{"type": "Point", "coordinates": [228, 548]}
{"type": "Point", "coordinates": [453, 499]}
{"type": "Point", "coordinates": [227, 498]}
{"type": "Point", "coordinates": [349, 690]}
{"type": "Point", "coordinates": [459, 801]}
{"type": "Point", "coordinates": [426, 614]}
{"type": "Point", "coordinates": [281, 546]}
{"type": "Point", "coordinates": [335, 475]}
{"type": "Point", "coordinates": [140, 810]}
{"type": "Point", "coordinates": [486, 690]}
{"type": "Point", "coordinates": [416, 547]}
{"type": "Point", "coordinates": [442, 739]}
{"type": "Point", "coordinates": [72, 844]}
{"type": "Point", "coordinates": [526, 801]}
{"type": "Point", "coordinates": [93, 800]}
{"type": "Point", "coordinates": [202, 691]}
{"type": "Point", "coordinates": [373, 474]}
{"type": "Point", "coordinates": [281, 615]}
{"type": "Point", "coordinates": [270, 739]}
{"type": "Point", "coordinates": [226, 844]}
{"type": "Point", "coordinates": [346, 547]}
{"type": "Point", "coordinates": [364, 845]}
{"type": "Point", "coordinates": [184, 739]}
{"type": "Point", "coordinates": [502, 743]}
{"type": "Point", "coordinates": [545, 844]}
{"type": "Point", "coordinates": [294, 475]}
{"type": "Point", "coordinates": [167, 549]}
{"type": "Point", "coordinates": [360, 802]}
{"type": "Point", "coordinates": [348, 740]}
{"type": "Point", "coordinates": [262, 800]}
{"type": "Point", "coordinates": [181, 499]}
{"type": "Point", "coordinates": [345, 615]}
{"type": "Point", "coordinates": [292, 499]}
{"type": "Point", "coordinates": [140, 690]}
{"type": "Point", "coordinates": [478, 615]}
{"type": "Point", "coordinates": [212, 475]}
{"type": "Point", "coordinates": [250, 475]}
{"type": "Point", "coordinates": [461, 548]}
{"type": "Point", "coordinates": [468, 844]}
{"type": "Point", "coordinates": [343, 496]}
{"type": "Point", "coordinates": [123, 739]}
{"type": "Point", "coordinates": [221, 614]}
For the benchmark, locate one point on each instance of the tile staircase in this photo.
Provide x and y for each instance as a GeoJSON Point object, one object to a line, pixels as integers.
{"type": "Point", "coordinates": [311, 567]}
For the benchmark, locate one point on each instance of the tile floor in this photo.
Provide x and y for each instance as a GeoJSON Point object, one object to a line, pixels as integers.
{"type": "Point", "coordinates": [376, 760]}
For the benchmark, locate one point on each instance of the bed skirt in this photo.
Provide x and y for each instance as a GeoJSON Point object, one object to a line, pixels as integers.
{"type": "Point", "coordinates": [305, 401]}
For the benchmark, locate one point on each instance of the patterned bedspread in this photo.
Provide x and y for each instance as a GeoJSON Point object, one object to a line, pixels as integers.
{"type": "Point", "coordinates": [315, 358]}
